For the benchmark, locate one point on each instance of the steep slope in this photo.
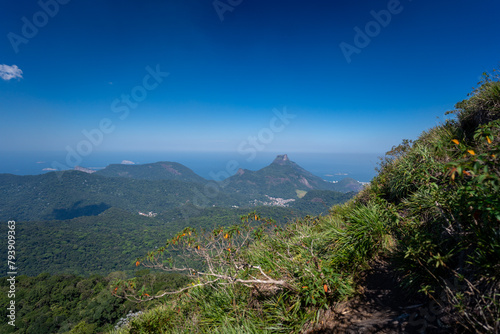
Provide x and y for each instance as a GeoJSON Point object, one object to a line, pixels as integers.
{"type": "Point", "coordinates": [282, 178]}
{"type": "Point", "coordinates": [162, 170]}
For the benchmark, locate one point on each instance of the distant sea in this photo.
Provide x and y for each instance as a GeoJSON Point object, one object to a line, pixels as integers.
{"type": "Point", "coordinates": [329, 166]}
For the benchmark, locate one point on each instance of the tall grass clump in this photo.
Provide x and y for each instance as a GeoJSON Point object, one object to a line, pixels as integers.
{"type": "Point", "coordinates": [365, 234]}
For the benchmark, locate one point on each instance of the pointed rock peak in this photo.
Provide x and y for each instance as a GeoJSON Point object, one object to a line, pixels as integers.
{"type": "Point", "coordinates": [281, 159]}
{"type": "Point", "coordinates": [240, 171]}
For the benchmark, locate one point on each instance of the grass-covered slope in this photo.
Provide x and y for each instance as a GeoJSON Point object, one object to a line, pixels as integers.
{"type": "Point", "coordinates": [433, 212]}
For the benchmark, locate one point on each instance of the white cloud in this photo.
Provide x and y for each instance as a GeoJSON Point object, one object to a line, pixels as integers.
{"type": "Point", "coordinates": [10, 72]}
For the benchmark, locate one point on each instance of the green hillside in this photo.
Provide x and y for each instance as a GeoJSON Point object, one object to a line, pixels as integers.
{"type": "Point", "coordinates": [430, 220]}
{"type": "Point", "coordinates": [71, 194]}
{"type": "Point", "coordinates": [163, 170]}
{"type": "Point", "coordinates": [320, 201]}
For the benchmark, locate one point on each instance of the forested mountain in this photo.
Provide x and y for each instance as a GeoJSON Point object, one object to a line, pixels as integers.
{"type": "Point", "coordinates": [163, 170]}
{"type": "Point", "coordinates": [283, 178]}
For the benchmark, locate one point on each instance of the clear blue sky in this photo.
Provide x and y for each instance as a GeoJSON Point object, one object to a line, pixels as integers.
{"type": "Point", "coordinates": [226, 76]}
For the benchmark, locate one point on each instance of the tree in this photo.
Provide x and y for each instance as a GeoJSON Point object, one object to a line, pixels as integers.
{"type": "Point", "coordinates": [207, 257]}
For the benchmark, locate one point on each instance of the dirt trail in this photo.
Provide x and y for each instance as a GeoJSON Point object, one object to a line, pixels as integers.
{"type": "Point", "coordinates": [382, 308]}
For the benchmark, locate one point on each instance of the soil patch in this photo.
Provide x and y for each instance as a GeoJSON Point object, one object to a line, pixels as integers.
{"type": "Point", "coordinates": [382, 307]}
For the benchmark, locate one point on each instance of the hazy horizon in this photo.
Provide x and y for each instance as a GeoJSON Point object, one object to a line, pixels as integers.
{"type": "Point", "coordinates": [331, 167]}
{"type": "Point", "coordinates": [94, 77]}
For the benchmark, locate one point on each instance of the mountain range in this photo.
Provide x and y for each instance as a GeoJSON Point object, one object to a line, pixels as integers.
{"type": "Point", "coordinates": [284, 178]}
{"type": "Point", "coordinates": [157, 187]}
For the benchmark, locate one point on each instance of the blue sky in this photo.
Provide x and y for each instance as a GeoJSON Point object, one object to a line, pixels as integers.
{"type": "Point", "coordinates": [228, 79]}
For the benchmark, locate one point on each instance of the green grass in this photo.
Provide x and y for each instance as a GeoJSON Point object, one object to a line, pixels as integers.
{"type": "Point", "coordinates": [300, 193]}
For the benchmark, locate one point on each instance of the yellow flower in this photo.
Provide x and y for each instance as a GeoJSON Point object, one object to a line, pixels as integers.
{"type": "Point", "coordinates": [471, 152]}
{"type": "Point", "coordinates": [456, 141]}
{"type": "Point", "coordinates": [452, 172]}
{"type": "Point", "coordinates": [488, 140]}
{"type": "Point", "coordinates": [137, 263]}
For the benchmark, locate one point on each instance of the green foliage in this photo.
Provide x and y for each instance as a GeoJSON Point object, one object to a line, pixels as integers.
{"type": "Point", "coordinates": [365, 233]}
{"type": "Point", "coordinates": [86, 245]}
{"type": "Point", "coordinates": [482, 107]}
{"type": "Point", "coordinates": [447, 190]}
{"type": "Point", "coordinates": [405, 175]}
{"type": "Point", "coordinates": [72, 304]}
{"type": "Point", "coordinates": [316, 202]}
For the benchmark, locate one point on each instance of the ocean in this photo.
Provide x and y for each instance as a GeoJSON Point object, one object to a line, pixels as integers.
{"type": "Point", "coordinates": [329, 166]}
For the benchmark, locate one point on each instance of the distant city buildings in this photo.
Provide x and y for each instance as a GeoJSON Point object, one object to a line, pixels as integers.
{"type": "Point", "coordinates": [275, 201]}
{"type": "Point", "coordinates": [149, 214]}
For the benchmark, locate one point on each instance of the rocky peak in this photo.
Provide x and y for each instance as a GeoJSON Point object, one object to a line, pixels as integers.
{"type": "Point", "coordinates": [281, 159]}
